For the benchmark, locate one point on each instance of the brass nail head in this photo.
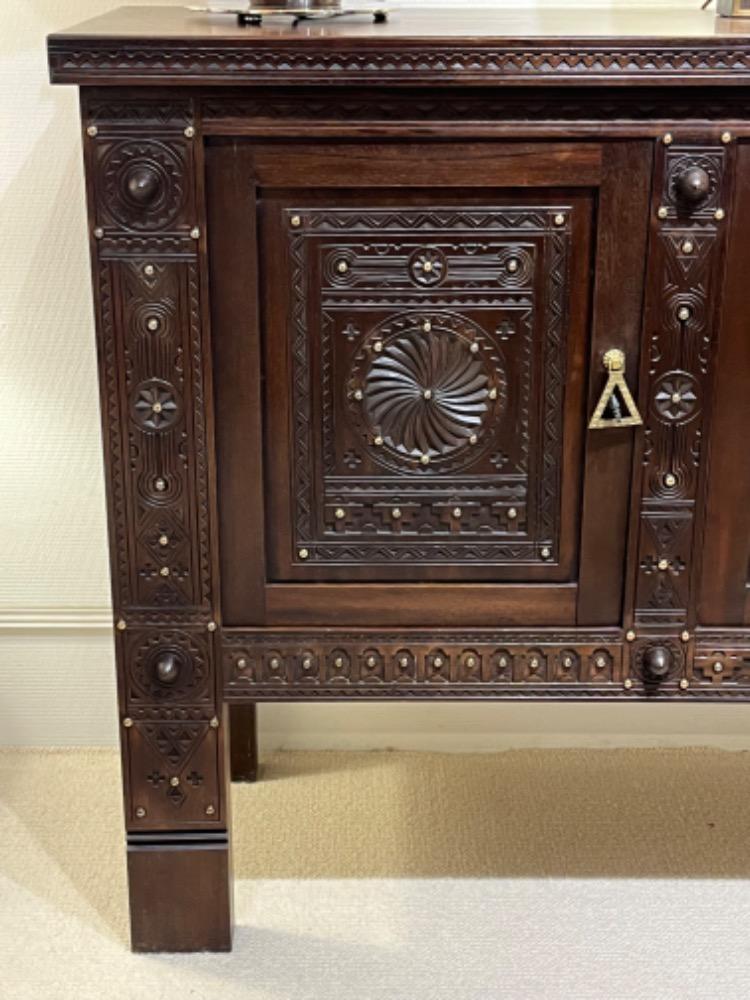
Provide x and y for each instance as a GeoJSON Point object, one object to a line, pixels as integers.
{"type": "Point", "coordinates": [662, 212]}
{"type": "Point", "coordinates": [174, 782]}
{"type": "Point", "coordinates": [456, 512]}
{"type": "Point", "coordinates": [474, 348]}
{"type": "Point", "coordinates": [719, 214]}
{"type": "Point", "coordinates": [92, 130]}
{"type": "Point", "coordinates": [630, 635]}
{"type": "Point", "coordinates": [545, 553]}
{"type": "Point", "coordinates": [342, 267]}
{"type": "Point", "coordinates": [149, 270]}
{"type": "Point", "coordinates": [473, 439]}
{"type": "Point", "coordinates": [189, 132]}
{"type": "Point", "coordinates": [210, 810]}
{"type": "Point", "coordinates": [667, 139]}
{"type": "Point", "coordinates": [242, 663]}
{"type": "Point", "coordinates": [98, 233]}
{"type": "Point", "coordinates": [163, 540]}
{"type": "Point", "coordinates": [627, 683]}
{"type": "Point", "coordinates": [685, 636]}
{"type": "Point", "coordinates": [663, 564]}
{"type": "Point", "coordinates": [427, 326]}
{"type": "Point", "coordinates": [670, 479]}
{"type": "Point", "coordinates": [726, 137]}
{"type": "Point", "coordinates": [684, 683]}
{"type": "Point", "coordinates": [396, 513]}
{"type": "Point", "coordinates": [424, 459]}
{"type": "Point", "coordinates": [152, 324]}
{"type": "Point", "coordinates": [687, 246]}
{"type": "Point", "coordinates": [718, 667]}
{"type": "Point", "coordinates": [195, 233]}
{"type": "Point", "coordinates": [377, 440]}
{"type": "Point", "coordinates": [121, 625]}
{"type": "Point", "coordinates": [140, 812]}
{"type": "Point", "coordinates": [512, 513]}
{"type": "Point", "coordinates": [164, 571]}
{"type": "Point", "coordinates": [214, 723]}
{"type": "Point", "coordinates": [358, 394]}
{"type": "Point", "coordinates": [127, 722]}
{"type": "Point", "coordinates": [492, 393]}
{"type": "Point", "coordinates": [339, 513]}
{"type": "Point", "coordinates": [303, 553]}
{"type": "Point", "coordinates": [559, 219]}
{"type": "Point", "coordinates": [295, 221]}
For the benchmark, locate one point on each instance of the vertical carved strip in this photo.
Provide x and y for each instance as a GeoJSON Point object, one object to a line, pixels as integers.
{"type": "Point", "coordinates": [687, 240]}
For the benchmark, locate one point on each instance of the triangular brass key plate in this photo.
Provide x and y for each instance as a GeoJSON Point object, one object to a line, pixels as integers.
{"type": "Point", "coordinates": [616, 406]}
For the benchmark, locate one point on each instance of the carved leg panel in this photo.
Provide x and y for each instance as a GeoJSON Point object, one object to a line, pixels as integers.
{"type": "Point", "coordinates": [147, 227]}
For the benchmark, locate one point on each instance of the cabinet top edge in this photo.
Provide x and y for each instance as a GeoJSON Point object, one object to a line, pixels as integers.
{"type": "Point", "coordinates": [421, 46]}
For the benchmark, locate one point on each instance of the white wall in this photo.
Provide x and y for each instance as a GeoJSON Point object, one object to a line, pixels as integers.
{"type": "Point", "coordinates": [56, 671]}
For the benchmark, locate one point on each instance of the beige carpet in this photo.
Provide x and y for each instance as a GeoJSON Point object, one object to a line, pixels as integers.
{"type": "Point", "coordinates": [527, 875]}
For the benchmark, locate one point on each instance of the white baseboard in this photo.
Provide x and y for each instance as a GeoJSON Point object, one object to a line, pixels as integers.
{"type": "Point", "coordinates": [57, 688]}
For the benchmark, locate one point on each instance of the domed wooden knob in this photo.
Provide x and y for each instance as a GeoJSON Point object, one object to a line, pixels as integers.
{"type": "Point", "coordinates": [167, 668]}
{"type": "Point", "coordinates": [693, 184]}
{"type": "Point", "coordinates": [657, 662]}
{"type": "Point", "coordinates": [143, 185]}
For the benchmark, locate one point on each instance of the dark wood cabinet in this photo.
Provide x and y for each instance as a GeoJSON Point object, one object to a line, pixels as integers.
{"type": "Point", "coordinates": [423, 358]}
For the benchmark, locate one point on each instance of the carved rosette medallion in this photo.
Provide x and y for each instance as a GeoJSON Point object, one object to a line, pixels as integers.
{"type": "Point", "coordinates": [155, 406]}
{"type": "Point", "coordinates": [429, 390]}
{"type": "Point", "coordinates": [143, 184]}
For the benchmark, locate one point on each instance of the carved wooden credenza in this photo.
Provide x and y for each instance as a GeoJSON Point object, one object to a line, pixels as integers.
{"type": "Point", "coordinates": [424, 353]}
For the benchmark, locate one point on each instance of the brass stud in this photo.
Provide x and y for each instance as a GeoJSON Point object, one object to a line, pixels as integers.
{"type": "Point", "coordinates": [473, 439]}
{"type": "Point", "coordinates": [427, 266]}
{"type": "Point", "coordinates": [684, 683]}
{"type": "Point", "coordinates": [371, 662]}
{"type": "Point", "coordinates": [503, 662]}
{"type": "Point", "coordinates": [160, 485]}
{"type": "Point", "coordinates": [307, 663]}
{"type": "Point", "coordinates": [534, 662]}
{"type": "Point", "coordinates": [164, 571]}
{"type": "Point", "coordinates": [719, 214]}
{"type": "Point", "coordinates": [274, 663]}
{"type": "Point", "coordinates": [424, 459]}
{"type": "Point", "coordinates": [396, 513]}
{"type": "Point", "coordinates": [342, 267]}
{"type": "Point", "coordinates": [427, 326]}
{"type": "Point", "coordinates": [211, 626]}
{"type": "Point", "coordinates": [174, 782]}
{"type": "Point", "coordinates": [726, 137]}
{"type": "Point", "coordinates": [471, 661]}
{"type": "Point", "coordinates": [92, 130]}
{"type": "Point", "coordinates": [140, 812]}
{"type": "Point", "coordinates": [295, 221]}
{"type": "Point", "coordinates": [214, 723]}
{"type": "Point", "coordinates": [156, 408]}
{"type": "Point", "coordinates": [403, 662]}
{"type": "Point", "coordinates": [358, 394]}
{"type": "Point", "coordinates": [127, 722]}
{"type": "Point", "coordinates": [512, 513]}
{"type": "Point", "coordinates": [339, 513]}
{"type": "Point", "coordinates": [676, 397]}
{"type": "Point", "coordinates": [718, 667]}
{"type": "Point", "coordinates": [630, 635]}
{"type": "Point", "coordinates": [121, 625]}
{"type": "Point", "coordinates": [438, 661]}
{"type": "Point", "coordinates": [338, 662]}
{"type": "Point", "coordinates": [512, 265]}
{"type": "Point", "coordinates": [163, 540]}
{"type": "Point", "coordinates": [559, 219]}
{"type": "Point", "coordinates": [153, 324]}
{"type": "Point", "coordinates": [670, 479]}
{"type": "Point", "coordinates": [601, 662]}
{"type": "Point", "coordinates": [662, 212]}
{"type": "Point", "coordinates": [667, 139]}
{"type": "Point", "coordinates": [377, 440]}
{"type": "Point", "coordinates": [492, 393]}
{"type": "Point", "coordinates": [685, 636]}
{"type": "Point", "coordinates": [474, 348]}
{"type": "Point", "coordinates": [567, 662]}
{"type": "Point", "coordinates": [427, 394]}
{"type": "Point", "coordinates": [545, 553]}
{"type": "Point", "coordinates": [242, 663]}
{"type": "Point", "coordinates": [627, 683]}
{"type": "Point", "coordinates": [687, 246]}
{"type": "Point", "coordinates": [149, 270]}
{"type": "Point", "coordinates": [456, 512]}
{"type": "Point", "coordinates": [98, 233]}
{"type": "Point", "coordinates": [210, 810]}
{"type": "Point", "coordinates": [683, 314]}
{"type": "Point", "coordinates": [377, 346]}
{"type": "Point", "coordinates": [663, 564]}
{"type": "Point", "coordinates": [189, 132]}
{"type": "Point", "coordinates": [195, 233]}
{"type": "Point", "coordinates": [303, 553]}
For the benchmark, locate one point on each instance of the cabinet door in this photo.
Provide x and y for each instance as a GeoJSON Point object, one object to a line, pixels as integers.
{"type": "Point", "coordinates": [431, 323]}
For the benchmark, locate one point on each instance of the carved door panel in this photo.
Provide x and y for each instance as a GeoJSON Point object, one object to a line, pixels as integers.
{"type": "Point", "coordinates": [408, 369]}
{"type": "Point", "coordinates": [434, 351]}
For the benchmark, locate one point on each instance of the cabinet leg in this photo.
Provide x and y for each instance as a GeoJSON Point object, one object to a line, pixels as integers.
{"type": "Point", "coordinates": [180, 891]}
{"type": "Point", "coordinates": [243, 741]}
